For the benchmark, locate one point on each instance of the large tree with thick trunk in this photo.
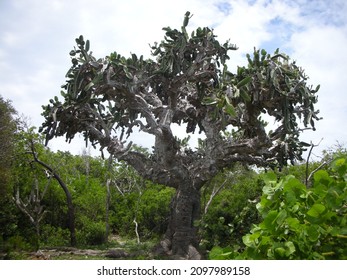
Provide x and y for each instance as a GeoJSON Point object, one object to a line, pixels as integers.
{"type": "Point", "coordinates": [186, 82]}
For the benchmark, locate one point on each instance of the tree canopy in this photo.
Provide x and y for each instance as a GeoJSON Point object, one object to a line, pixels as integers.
{"type": "Point", "coordinates": [186, 82]}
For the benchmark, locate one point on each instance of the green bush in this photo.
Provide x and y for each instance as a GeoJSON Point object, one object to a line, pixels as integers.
{"type": "Point", "coordinates": [299, 223]}
{"type": "Point", "coordinates": [54, 236]}
{"type": "Point", "coordinates": [92, 233]}
{"type": "Point", "coordinates": [231, 213]}
{"type": "Point", "coordinates": [16, 243]}
{"type": "Point", "coordinates": [153, 210]}
{"type": "Point", "coordinates": [150, 208]}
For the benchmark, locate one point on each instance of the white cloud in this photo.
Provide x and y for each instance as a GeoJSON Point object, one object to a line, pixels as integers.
{"type": "Point", "coordinates": [321, 51]}
{"type": "Point", "coordinates": [36, 37]}
{"type": "Point", "coordinates": [314, 34]}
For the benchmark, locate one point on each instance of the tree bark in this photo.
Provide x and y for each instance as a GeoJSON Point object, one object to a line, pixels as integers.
{"type": "Point", "coordinates": [181, 238]}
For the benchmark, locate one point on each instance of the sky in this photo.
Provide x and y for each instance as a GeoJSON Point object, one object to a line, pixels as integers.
{"type": "Point", "coordinates": [36, 37]}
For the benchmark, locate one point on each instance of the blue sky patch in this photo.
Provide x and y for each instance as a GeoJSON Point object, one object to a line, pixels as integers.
{"type": "Point", "coordinates": [224, 7]}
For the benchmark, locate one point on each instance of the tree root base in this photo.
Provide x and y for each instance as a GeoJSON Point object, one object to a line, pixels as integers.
{"type": "Point", "coordinates": [164, 248]}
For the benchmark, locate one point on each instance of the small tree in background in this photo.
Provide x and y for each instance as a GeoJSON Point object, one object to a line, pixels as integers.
{"type": "Point", "coordinates": [186, 83]}
{"type": "Point", "coordinates": [28, 152]}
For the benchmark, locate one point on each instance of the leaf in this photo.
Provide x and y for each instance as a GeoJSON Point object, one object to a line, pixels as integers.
{"type": "Point", "coordinates": [340, 166]}
{"type": "Point", "coordinates": [317, 89]}
{"type": "Point", "coordinates": [247, 240]}
{"type": "Point", "coordinates": [244, 82]}
{"type": "Point", "coordinates": [269, 222]}
{"type": "Point", "coordinates": [280, 252]}
{"type": "Point", "coordinates": [304, 144]}
{"type": "Point", "coordinates": [313, 233]}
{"type": "Point", "coordinates": [270, 178]}
{"type": "Point", "coordinates": [88, 86]}
{"type": "Point", "coordinates": [101, 108]}
{"type": "Point", "coordinates": [316, 210]}
{"type": "Point", "coordinates": [80, 41]}
{"type": "Point", "coordinates": [250, 62]}
{"type": "Point", "coordinates": [128, 74]}
{"type": "Point", "coordinates": [294, 224]}
{"type": "Point", "coordinates": [245, 96]}
{"type": "Point", "coordinates": [282, 215]}
{"type": "Point", "coordinates": [209, 101]}
{"type": "Point", "coordinates": [218, 253]}
{"type": "Point", "coordinates": [250, 240]}
{"type": "Point", "coordinates": [322, 176]}
{"type": "Point", "coordinates": [240, 70]}
{"type": "Point", "coordinates": [293, 189]}
{"type": "Point", "coordinates": [87, 46]}
{"type": "Point", "coordinates": [290, 248]}
{"type": "Point", "coordinates": [229, 108]}
{"type": "Point", "coordinates": [186, 19]}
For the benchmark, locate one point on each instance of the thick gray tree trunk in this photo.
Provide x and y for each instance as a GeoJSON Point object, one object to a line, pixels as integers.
{"type": "Point", "coordinates": [181, 238]}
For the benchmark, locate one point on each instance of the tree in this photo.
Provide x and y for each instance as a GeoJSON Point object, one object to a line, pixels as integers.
{"type": "Point", "coordinates": [51, 172]}
{"type": "Point", "coordinates": [187, 83]}
{"type": "Point", "coordinates": [8, 130]}
{"type": "Point", "coordinates": [28, 154]}
{"type": "Point", "coordinates": [32, 207]}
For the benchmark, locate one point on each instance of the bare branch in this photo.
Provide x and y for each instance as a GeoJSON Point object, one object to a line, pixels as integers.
{"type": "Point", "coordinates": [308, 177]}
{"type": "Point", "coordinates": [215, 191]}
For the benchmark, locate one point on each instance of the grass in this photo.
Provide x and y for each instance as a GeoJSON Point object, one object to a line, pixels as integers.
{"type": "Point", "coordinates": [125, 248]}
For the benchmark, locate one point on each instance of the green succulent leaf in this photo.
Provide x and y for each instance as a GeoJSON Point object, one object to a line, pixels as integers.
{"type": "Point", "coordinates": [244, 82]}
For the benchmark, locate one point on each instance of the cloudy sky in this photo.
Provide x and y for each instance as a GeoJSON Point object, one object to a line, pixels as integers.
{"type": "Point", "coordinates": [36, 37]}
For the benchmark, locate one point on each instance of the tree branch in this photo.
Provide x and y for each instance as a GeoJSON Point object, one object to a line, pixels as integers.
{"type": "Point", "coordinates": [308, 177]}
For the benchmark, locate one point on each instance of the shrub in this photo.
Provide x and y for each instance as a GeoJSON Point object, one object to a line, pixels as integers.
{"type": "Point", "coordinates": [16, 243]}
{"type": "Point", "coordinates": [90, 232]}
{"type": "Point", "coordinates": [54, 236]}
{"type": "Point", "coordinates": [95, 233]}
{"type": "Point", "coordinates": [231, 213]}
{"type": "Point", "coordinates": [299, 223]}
{"type": "Point", "coordinates": [153, 210]}
{"type": "Point", "coordinates": [150, 208]}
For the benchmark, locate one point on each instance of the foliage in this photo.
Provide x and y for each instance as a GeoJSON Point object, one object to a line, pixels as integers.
{"type": "Point", "coordinates": [149, 207]}
{"type": "Point", "coordinates": [153, 210]}
{"type": "Point", "coordinates": [187, 83]}
{"type": "Point", "coordinates": [8, 127]}
{"type": "Point", "coordinates": [300, 223]}
{"type": "Point", "coordinates": [54, 236]}
{"type": "Point", "coordinates": [92, 233]}
{"type": "Point", "coordinates": [232, 211]}
{"type": "Point", "coordinates": [17, 243]}
{"type": "Point", "coordinates": [85, 177]}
